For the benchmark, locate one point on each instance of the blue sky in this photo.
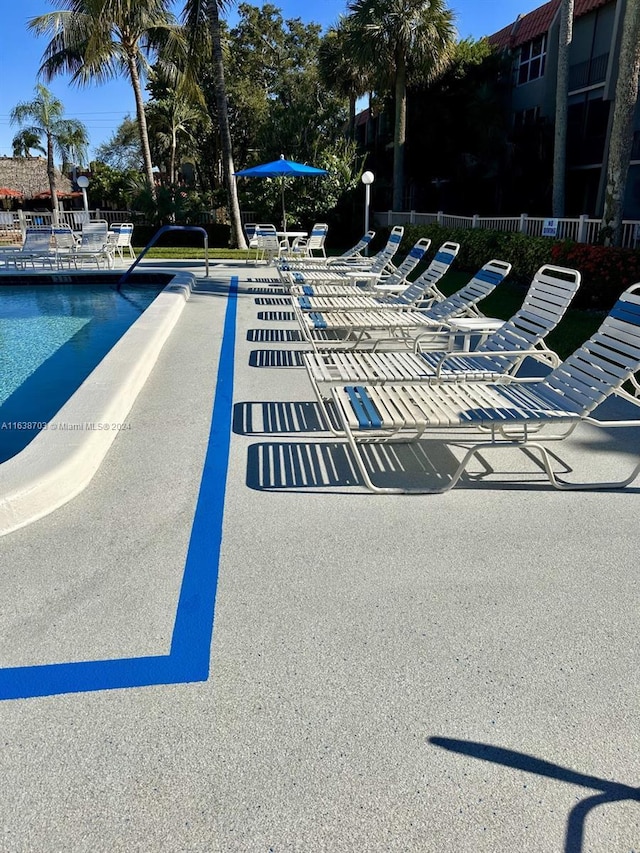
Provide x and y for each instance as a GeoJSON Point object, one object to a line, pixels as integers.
{"type": "Point", "coordinates": [102, 108]}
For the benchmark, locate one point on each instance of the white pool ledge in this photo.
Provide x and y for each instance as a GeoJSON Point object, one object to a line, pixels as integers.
{"type": "Point", "coordinates": [61, 460]}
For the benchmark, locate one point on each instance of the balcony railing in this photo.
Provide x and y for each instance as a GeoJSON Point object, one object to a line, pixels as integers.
{"type": "Point", "coordinates": [589, 73]}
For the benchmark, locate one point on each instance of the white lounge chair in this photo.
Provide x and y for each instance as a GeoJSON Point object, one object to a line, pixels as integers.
{"type": "Point", "coordinates": [351, 256]}
{"type": "Point", "coordinates": [350, 296]}
{"type": "Point", "coordinates": [392, 291]}
{"type": "Point", "coordinates": [497, 358]}
{"type": "Point", "coordinates": [352, 329]}
{"type": "Point", "coordinates": [37, 246]}
{"type": "Point", "coordinates": [370, 268]}
{"type": "Point", "coordinates": [517, 414]}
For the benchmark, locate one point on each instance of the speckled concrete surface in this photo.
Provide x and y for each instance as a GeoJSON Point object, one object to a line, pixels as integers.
{"type": "Point", "coordinates": [447, 673]}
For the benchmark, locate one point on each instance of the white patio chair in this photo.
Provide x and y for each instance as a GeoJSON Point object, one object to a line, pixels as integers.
{"type": "Point", "coordinates": [94, 245]}
{"type": "Point", "coordinates": [120, 240]}
{"type": "Point", "coordinates": [497, 359]}
{"type": "Point", "coordinates": [64, 245]}
{"type": "Point", "coordinates": [250, 229]}
{"type": "Point", "coordinates": [306, 246]}
{"type": "Point", "coordinates": [483, 415]}
{"type": "Point", "coordinates": [269, 245]}
{"type": "Point", "coordinates": [351, 329]}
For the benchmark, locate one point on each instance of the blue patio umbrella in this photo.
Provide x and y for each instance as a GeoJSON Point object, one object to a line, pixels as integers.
{"type": "Point", "coordinates": [281, 169]}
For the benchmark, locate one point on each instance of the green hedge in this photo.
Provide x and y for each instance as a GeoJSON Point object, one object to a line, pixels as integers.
{"type": "Point", "coordinates": [606, 272]}
{"type": "Point", "coordinates": [219, 236]}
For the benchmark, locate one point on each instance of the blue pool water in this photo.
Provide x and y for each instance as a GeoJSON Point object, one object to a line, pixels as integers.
{"type": "Point", "coordinates": [51, 337]}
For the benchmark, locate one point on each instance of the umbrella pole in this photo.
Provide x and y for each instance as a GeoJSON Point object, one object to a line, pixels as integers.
{"type": "Point", "coordinates": [284, 213]}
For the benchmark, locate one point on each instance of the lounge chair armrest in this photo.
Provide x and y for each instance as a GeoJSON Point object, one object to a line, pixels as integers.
{"type": "Point", "coordinates": [501, 377]}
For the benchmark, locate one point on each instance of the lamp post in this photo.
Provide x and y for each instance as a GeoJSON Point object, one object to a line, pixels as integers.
{"type": "Point", "coordinates": [83, 183]}
{"type": "Point", "coordinates": [367, 180]}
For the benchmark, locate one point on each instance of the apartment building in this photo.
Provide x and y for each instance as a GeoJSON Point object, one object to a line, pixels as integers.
{"type": "Point", "coordinates": [532, 42]}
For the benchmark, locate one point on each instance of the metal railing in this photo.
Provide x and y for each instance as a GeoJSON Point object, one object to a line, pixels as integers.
{"type": "Point", "coordinates": [581, 229]}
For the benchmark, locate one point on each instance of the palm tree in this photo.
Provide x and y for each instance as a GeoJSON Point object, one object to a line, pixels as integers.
{"type": "Point", "coordinates": [562, 90]}
{"type": "Point", "coordinates": [173, 118]}
{"type": "Point", "coordinates": [24, 141]}
{"type": "Point", "coordinates": [202, 18]}
{"type": "Point", "coordinates": [403, 40]}
{"type": "Point", "coordinates": [340, 71]}
{"type": "Point", "coordinates": [622, 127]}
{"type": "Point", "coordinates": [67, 137]}
{"type": "Point", "coordinates": [97, 40]}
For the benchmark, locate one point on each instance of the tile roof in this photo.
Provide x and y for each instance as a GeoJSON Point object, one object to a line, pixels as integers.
{"type": "Point", "coordinates": [528, 27]}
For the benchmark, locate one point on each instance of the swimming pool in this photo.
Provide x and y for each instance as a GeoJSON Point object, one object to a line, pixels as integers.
{"type": "Point", "coordinates": [51, 338]}
{"type": "Point", "coordinates": [62, 458]}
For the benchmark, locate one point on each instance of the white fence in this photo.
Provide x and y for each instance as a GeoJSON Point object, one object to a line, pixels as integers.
{"type": "Point", "coordinates": [582, 229]}
{"type": "Point", "coordinates": [14, 223]}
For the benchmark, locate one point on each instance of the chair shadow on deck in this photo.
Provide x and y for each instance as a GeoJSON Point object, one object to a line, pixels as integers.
{"type": "Point", "coordinates": [608, 791]}
{"type": "Point", "coordinates": [309, 465]}
{"type": "Point", "coordinates": [273, 300]}
{"type": "Point", "coordinates": [273, 336]}
{"type": "Point", "coordinates": [269, 418]}
{"type": "Point", "coordinates": [276, 358]}
{"type": "Point", "coordinates": [277, 316]}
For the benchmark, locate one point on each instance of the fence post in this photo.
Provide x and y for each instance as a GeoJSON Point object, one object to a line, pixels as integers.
{"type": "Point", "coordinates": [440, 215]}
{"type": "Point", "coordinates": [582, 228]}
{"type": "Point", "coordinates": [523, 222]}
{"type": "Point", "coordinates": [412, 217]}
{"type": "Point", "coordinates": [475, 221]}
{"type": "Point", "coordinates": [22, 221]}
{"type": "Point", "coordinates": [389, 217]}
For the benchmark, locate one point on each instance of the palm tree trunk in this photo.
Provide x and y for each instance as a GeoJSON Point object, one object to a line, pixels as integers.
{"type": "Point", "coordinates": [622, 128]}
{"type": "Point", "coordinates": [562, 89]}
{"type": "Point", "coordinates": [142, 122]}
{"type": "Point", "coordinates": [237, 234]}
{"type": "Point", "coordinates": [400, 133]}
{"type": "Point", "coordinates": [172, 162]}
{"type": "Point", "coordinates": [51, 174]}
{"type": "Point", "coordinates": [352, 117]}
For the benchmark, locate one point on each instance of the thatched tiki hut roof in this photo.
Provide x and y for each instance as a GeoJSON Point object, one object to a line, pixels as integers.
{"type": "Point", "coordinates": [29, 176]}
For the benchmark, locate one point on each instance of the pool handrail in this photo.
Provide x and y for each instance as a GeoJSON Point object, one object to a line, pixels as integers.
{"type": "Point", "coordinates": [154, 240]}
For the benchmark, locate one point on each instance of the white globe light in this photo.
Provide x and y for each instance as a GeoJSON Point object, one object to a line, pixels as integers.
{"type": "Point", "coordinates": [367, 177]}
{"type": "Point", "coordinates": [83, 182]}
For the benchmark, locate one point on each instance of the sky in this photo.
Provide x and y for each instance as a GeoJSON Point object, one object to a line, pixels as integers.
{"type": "Point", "coordinates": [102, 108]}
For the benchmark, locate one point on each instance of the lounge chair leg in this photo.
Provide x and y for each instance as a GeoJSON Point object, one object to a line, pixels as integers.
{"type": "Point", "coordinates": [563, 485]}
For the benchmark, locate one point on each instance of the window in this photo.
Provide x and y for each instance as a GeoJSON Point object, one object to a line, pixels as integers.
{"type": "Point", "coordinates": [530, 60]}
{"type": "Point", "coordinates": [526, 118]}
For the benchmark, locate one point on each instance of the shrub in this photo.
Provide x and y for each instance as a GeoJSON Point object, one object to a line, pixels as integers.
{"type": "Point", "coordinates": [218, 234]}
{"type": "Point", "coordinates": [606, 271]}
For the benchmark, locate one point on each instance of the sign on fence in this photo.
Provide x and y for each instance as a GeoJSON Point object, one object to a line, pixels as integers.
{"type": "Point", "coordinates": [550, 228]}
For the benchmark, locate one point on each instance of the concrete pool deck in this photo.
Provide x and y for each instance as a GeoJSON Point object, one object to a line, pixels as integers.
{"type": "Point", "coordinates": [446, 673]}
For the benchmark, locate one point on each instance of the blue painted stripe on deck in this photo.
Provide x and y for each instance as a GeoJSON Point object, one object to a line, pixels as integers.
{"type": "Point", "coordinates": [188, 659]}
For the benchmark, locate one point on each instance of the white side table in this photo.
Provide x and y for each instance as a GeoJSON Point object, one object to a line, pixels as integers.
{"type": "Point", "coordinates": [469, 326]}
